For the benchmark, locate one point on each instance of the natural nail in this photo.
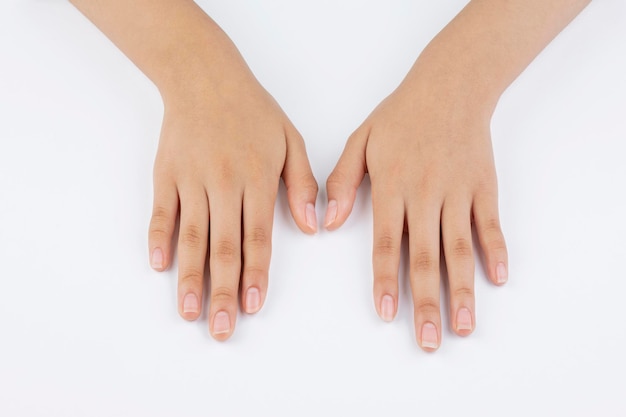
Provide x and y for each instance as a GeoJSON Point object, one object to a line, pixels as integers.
{"type": "Point", "coordinates": [190, 303]}
{"type": "Point", "coordinates": [253, 300]}
{"type": "Point", "coordinates": [430, 339]}
{"type": "Point", "coordinates": [501, 274]}
{"type": "Point", "coordinates": [464, 319]}
{"type": "Point", "coordinates": [311, 217]}
{"type": "Point", "coordinates": [331, 213]}
{"type": "Point", "coordinates": [221, 323]}
{"type": "Point", "coordinates": [387, 308]}
{"type": "Point", "coordinates": [156, 260]}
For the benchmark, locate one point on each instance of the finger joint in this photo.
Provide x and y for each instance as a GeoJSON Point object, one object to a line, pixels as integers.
{"type": "Point", "coordinates": [192, 237]}
{"type": "Point", "coordinates": [386, 245]}
{"type": "Point", "coordinates": [226, 251]}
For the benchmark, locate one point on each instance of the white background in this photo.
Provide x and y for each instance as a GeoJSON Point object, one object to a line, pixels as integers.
{"type": "Point", "coordinates": [87, 329]}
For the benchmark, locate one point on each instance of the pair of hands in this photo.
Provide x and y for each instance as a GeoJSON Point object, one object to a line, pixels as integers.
{"type": "Point", "coordinates": [225, 145]}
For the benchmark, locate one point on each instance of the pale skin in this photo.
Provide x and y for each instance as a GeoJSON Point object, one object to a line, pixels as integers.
{"type": "Point", "coordinates": [225, 143]}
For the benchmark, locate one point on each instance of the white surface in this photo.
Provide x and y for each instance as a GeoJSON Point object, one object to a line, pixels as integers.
{"type": "Point", "coordinates": [87, 329]}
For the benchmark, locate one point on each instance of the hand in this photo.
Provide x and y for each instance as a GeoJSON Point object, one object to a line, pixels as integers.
{"type": "Point", "coordinates": [222, 152]}
{"type": "Point", "coordinates": [224, 145]}
{"type": "Point", "coordinates": [427, 149]}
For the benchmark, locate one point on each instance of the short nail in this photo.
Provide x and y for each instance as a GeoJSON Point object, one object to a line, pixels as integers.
{"type": "Point", "coordinates": [331, 213]}
{"type": "Point", "coordinates": [387, 308]}
{"type": "Point", "coordinates": [311, 217]}
{"type": "Point", "coordinates": [156, 260]}
{"type": "Point", "coordinates": [501, 274]}
{"type": "Point", "coordinates": [429, 336]}
{"type": "Point", "coordinates": [221, 323]}
{"type": "Point", "coordinates": [190, 303]}
{"type": "Point", "coordinates": [463, 319]}
{"type": "Point", "coordinates": [253, 300]}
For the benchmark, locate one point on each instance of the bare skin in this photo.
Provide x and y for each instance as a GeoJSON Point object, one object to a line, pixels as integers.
{"type": "Point", "coordinates": [225, 143]}
{"type": "Point", "coordinates": [427, 149]}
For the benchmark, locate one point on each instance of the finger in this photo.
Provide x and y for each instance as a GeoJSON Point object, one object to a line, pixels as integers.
{"type": "Point", "coordinates": [258, 216]}
{"type": "Point", "coordinates": [300, 182]}
{"type": "Point", "coordinates": [345, 179]}
{"type": "Point", "coordinates": [192, 249]}
{"type": "Point", "coordinates": [224, 260]}
{"type": "Point", "coordinates": [487, 221]}
{"type": "Point", "coordinates": [423, 220]}
{"type": "Point", "coordinates": [457, 246]}
{"type": "Point", "coordinates": [388, 210]}
{"type": "Point", "coordinates": [162, 223]}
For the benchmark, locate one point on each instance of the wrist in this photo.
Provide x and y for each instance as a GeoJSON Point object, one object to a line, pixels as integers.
{"type": "Point", "coordinates": [208, 66]}
{"type": "Point", "coordinates": [445, 76]}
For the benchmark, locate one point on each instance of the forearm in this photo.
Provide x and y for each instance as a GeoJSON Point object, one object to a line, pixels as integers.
{"type": "Point", "coordinates": [172, 41]}
{"type": "Point", "coordinates": [490, 43]}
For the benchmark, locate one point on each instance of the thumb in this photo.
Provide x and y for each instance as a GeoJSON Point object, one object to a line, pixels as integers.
{"type": "Point", "coordinates": [345, 179]}
{"type": "Point", "coordinates": [300, 183]}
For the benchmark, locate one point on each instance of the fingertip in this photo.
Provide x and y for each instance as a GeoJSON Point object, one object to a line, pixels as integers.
{"type": "Point", "coordinates": [305, 217]}
{"type": "Point", "coordinates": [190, 307]}
{"type": "Point", "coordinates": [221, 326]}
{"type": "Point", "coordinates": [501, 274]}
{"type": "Point", "coordinates": [331, 215]}
{"type": "Point", "coordinates": [387, 308]}
{"type": "Point", "coordinates": [429, 337]}
{"type": "Point", "coordinates": [157, 260]}
{"type": "Point", "coordinates": [252, 301]}
{"type": "Point", "coordinates": [302, 207]}
{"type": "Point", "coordinates": [310, 216]}
{"type": "Point", "coordinates": [464, 322]}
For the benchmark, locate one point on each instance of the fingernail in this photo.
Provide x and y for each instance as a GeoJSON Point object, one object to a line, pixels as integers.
{"type": "Point", "coordinates": [464, 319]}
{"type": "Point", "coordinates": [311, 217]}
{"type": "Point", "coordinates": [501, 274]}
{"type": "Point", "coordinates": [429, 336]}
{"type": "Point", "coordinates": [387, 308]}
{"type": "Point", "coordinates": [331, 213]}
{"type": "Point", "coordinates": [190, 303]}
{"type": "Point", "coordinates": [221, 323]}
{"type": "Point", "coordinates": [157, 259]}
{"type": "Point", "coordinates": [253, 300]}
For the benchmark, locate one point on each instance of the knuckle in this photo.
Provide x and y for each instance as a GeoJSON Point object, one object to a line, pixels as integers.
{"type": "Point", "coordinates": [190, 277]}
{"type": "Point", "coordinates": [160, 214]}
{"type": "Point", "coordinates": [495, 245]}
{"type": "Point", "coordinates": [226, 251]}
{"type": "Point", "coordinates": [335, 179]}
{"type": "Point", "coordinates": [256, 237]}
{"type": "Point", "coordinates": [161, 221]}
{"type": "Point", "coordinates": [488, 184]}
{"type": "Point", "coordinates": [386, 245]}
{"type": "Point", "coordinates": [492, 226]}
{"type": "Point", "coordinates": [461, 248]}
{"type": "Point", "coordinates": [386, 281]}
{"type": "Point", "coordinates": [311, 185]}
{"type": "Point", "coordinates": [254, 274]}
{"type": "Point", "coordinates": [254, 162]}
{"type": "Point", "coordinates": [158, 232]}
{"type": "Point", "coordinates": [427, 305]}
{"type": "Point", "coordinates": [463, 292]}
{"type": "Point", "coordinates": [223, 294]}
{"type": "Point", "coordinates": [192, 237]}
{"type": "Point", "coordinates": [226, 172]}
{"type": "Point", "coordinates": [423, 260]}
{"type": "Point", "coordinates": [307, 183]}
{"type": "Point", "coordinates": [296, 136]}
{"type": "Point", "coordinates": [492, 239]}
